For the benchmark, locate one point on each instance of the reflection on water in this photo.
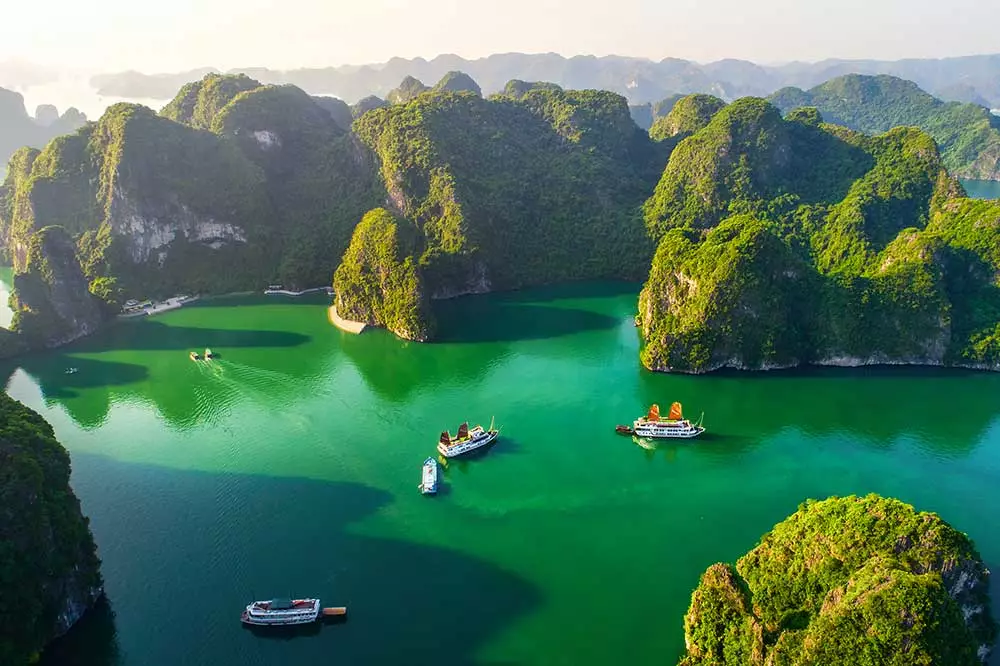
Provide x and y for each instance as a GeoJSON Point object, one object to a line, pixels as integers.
{"type": "Point", "coordinates": [290, 464]}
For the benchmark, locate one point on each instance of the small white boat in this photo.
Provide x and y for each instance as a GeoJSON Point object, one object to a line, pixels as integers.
{"type": "Point", "coordinates": [281, 612]}
{"type": "Point", "coordinates": [429, 479]}
{"type": "Point", "coordinates": [209, 354]}
{"type": "Point", "coordinates": [674, 426]}
{"type": "Point", "coordinates": [466, 440]}
{"type": "Point", "coordinates": [72, 371]}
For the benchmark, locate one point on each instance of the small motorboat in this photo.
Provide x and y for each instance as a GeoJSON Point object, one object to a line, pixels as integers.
{"type": "Point", "coordinates": [624, 430]}
{"type": "Point", "coordinates": [195, 356]}
{"type": "Point", "coordinates": [429, 479]}
{"type": "Point", "coordinates": [209, 354]}
{"type": "Point", "coordinates": [71, 371]}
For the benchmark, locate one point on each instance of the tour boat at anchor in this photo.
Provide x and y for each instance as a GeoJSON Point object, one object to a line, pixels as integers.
{"type": "Point", "coordinates": [281, 612]}
{"type": "Point", "coordinates": [466, 440]}
{"type": "Point", "coordinates": [673, 426]}
{"type": "Point", "coordinates": [429, 478]}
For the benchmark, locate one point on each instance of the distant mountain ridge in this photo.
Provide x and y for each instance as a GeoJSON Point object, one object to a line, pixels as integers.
{"type": "Point", "coordinates": [965, 79]}
{"type": "Point", "coordinates": [17, 128]}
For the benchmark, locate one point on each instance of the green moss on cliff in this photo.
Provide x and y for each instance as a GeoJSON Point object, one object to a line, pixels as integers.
{"type": "Point", "coordinates": [852, 273]}
{"type": "Point", "coordinates": [510, 192]}
{"type": "Point", "coordinates": [969, 136]}
{"type": "Point", "coordinates": [199, 102]}
{"type": "Point", "coordinates": [51, 300]}
{"type": "Point", "coordinates": [687, 116]}
{"type": "Point", "coordinates": [846, 581]}
{"type": "Point", "coordinates": [458, 82]}
{"type": "Point", "coordinates": [48, 563]}
{"type": "Point", "coordinates": [379, 283]}
{"type": "Point", "coordinates": [408, 88]}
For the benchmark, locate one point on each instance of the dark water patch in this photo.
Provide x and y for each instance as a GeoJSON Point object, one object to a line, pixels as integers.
{"type": "Point", "coordinates": [92, 641]}
{"type": "Point", "coordinates": [153, 335]}
{"type": "Point", "coordinates": [483, 321]}
{"type": "Point", "coordinates": [183, 552]}
{"type": "Point", "coordinates": [396, 369]}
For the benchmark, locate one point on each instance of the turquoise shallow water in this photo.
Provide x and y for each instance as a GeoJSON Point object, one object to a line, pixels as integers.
{"type": "Point", "coordinates": [290, 465]}
{"type": "Point", "coordinates": [982, 189]}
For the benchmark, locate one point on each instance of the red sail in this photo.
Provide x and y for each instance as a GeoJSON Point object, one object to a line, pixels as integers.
{"type": "Point", "coordinates": [445, 438]}
{"type": "Point", "coordinates": [675, 412]}
{"type": "Point", "coordinates": [654, 413]}
{"type": "Point", "coordinates": [463, 430]}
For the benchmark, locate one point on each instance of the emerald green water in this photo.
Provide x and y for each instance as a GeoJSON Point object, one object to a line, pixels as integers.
{"type": "Point", "coordinates": [290, 465]}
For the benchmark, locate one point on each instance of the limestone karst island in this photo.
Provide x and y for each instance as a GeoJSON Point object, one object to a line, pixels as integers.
{"type": "Point", "coordinates": [531, 333]}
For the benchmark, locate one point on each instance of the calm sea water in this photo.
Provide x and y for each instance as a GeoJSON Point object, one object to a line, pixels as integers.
{"type": "Point", "coordinates": [290, 466]}
{"type": "Point", "coordinates": [982, 189]}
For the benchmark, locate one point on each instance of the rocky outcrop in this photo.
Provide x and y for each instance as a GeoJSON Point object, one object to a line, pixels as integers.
{"type": "Point", "coordinates": [50, 568]}
{"type": "Point", "coordinates": [379, 282]}
{"type": "Point", "coordinates": [846, 580]}
{"type": "Point", "coordinates": [51, 298]}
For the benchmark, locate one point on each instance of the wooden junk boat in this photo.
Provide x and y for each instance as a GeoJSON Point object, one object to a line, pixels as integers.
{"type": "Point", "coordinates": [673, 426]}
{"type": "Point", "coordinates": [466, 440]}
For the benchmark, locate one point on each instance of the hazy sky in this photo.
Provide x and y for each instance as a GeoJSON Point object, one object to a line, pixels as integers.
{"type": "Point", "coordinates": [169, 35]}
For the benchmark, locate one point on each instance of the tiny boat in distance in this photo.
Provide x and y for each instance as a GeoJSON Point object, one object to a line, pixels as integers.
{"type": "Point", "coordinates": [429, 479]}
{"type": "Point", "coordinates": [281, 612]}
{"type": "Point", "coordinates": [466, 440]}
{"type": "Point", "coordinates": [624, 430]}
{"type": "Point", "coordinates": [195, 356]}
{"type": "Point", "coordinates": [209, 354]}
{"type": "Point", "coordinates": [674, 426]}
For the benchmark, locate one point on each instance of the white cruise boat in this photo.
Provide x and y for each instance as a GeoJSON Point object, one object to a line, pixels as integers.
{"type": "Point", "coordinates": [673, 426]}
{"type": "Point", "coordinates": [281, 611]}
{"type": "Point", "coordinates": [466, 440]}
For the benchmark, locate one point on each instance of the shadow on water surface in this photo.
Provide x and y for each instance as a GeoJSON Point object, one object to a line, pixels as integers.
{"type": "Point", "coordinates": [153, 335]}
{"type": "Point", "coordinates": [185, 551]}
{"type": "Point", "coordinates": [90, 642]}
{"type": "Point", "coordinates": [513, 318]}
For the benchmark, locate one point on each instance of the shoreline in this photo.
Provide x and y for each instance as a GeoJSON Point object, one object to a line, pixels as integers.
{"type": "Point", "coordinates": [346, 325]}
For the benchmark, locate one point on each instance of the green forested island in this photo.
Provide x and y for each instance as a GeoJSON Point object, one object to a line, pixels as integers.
{"type": "Point", "coordinates": [49, 571]}
{"type": "Point", "coordinates": [767, 242]}
{"type": "Point", "coordinates": [968, 135]}
{"type": "Point", "coordinates": [852, 580]}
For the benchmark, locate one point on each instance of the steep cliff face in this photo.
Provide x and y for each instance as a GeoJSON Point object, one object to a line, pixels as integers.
{"type": "Point", "coordinates": [783, 242]}
{"type": "Point", "coordinates": [513, 192]}
{"type": "Point", "coordinates": [51, 300]}
{"type": "Point", "coordinates": [967, 134]}
{"type": "Point", "coordinates": [379, 282]}
{"type": "Point", "coordinates": [49, 571]}
{"type": "Point", "coordinates": [846, 581]}
{"type": "Point", "coordinates": [260, 179]}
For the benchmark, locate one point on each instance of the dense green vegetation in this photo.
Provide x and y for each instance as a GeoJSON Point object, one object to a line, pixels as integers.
{"type": "Point", "coordinates": [511, 192]}
{"type": "Point", "coordinates": [790, 241]}
{"type": "Point", "coordinates": [259, 179]}
{"type": "Point", "coordinates": [967, 134]}
{"type": "Point", "coordinates": [687, 116]}
{"type": "Point", "coordinates": [51, 299]}
{"type": "Point", "coordinates": [379, 283]}
{"type": "Point", "coordinates": [458, 82]}
{"type": "Point", "coordinates": [407, 90]}
{"type": "Point", "coordinates": [847, 581]}
{"type": "Point", "coordinates": [48, 563]}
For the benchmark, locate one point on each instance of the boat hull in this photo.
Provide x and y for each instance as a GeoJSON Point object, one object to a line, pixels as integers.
{"type": "Point", "coordinates": [254, 615]}
{"type": "Point", "coordinates": [468, 447]}
{"type": "Point", "coordinates": [429, 480]}
{"type": "Point", "coordinates": [668, 433]}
